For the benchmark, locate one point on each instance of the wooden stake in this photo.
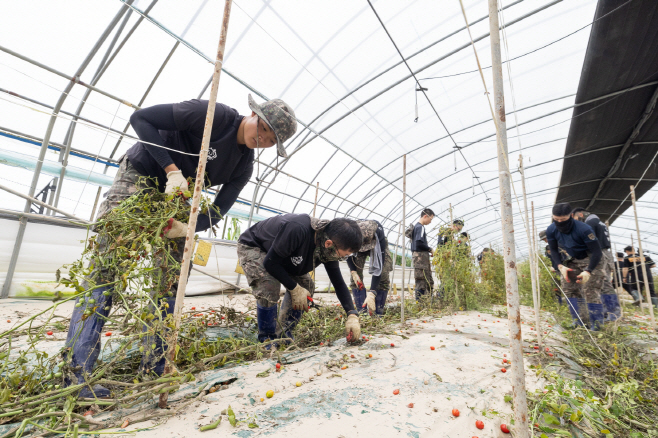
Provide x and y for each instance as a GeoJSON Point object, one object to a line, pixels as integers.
{"type": "Point", "coordinates": [519, 398]}
{"type": "Point", "coordinates": [637, 277]}
{"type": "Point", "coordinates": [644, 265]}
{"type": "Point", "coordinates": [196, 200]}
{"type": "Point", "coordinates": [317, 188]}
{"type": "Point", "coordinates": [404, 227]}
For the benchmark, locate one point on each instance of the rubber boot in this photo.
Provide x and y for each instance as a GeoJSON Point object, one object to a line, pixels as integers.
{"type": "Point", "coordinates": [266, 318]}
{"type": "Point", "coordinates": [611, 303]}
{"type": "Point", "coordinates": [654, 301]}
{"type": "Point", "coordinates": [582, 310]}
{"type": "Point", "coordinates": [288, 318]}
{"type": "Point", "coordinates": [573, 308]}
{"type": "Point", "coordinates": [359, 297]}
{"type": "Point", "coordinates": [595, 315]}
{"type": "Point", "coordinates": [380, 302]}
{"type": "Point", "coordinates": [84, 338]}
{"type": "Point", "coordinates": [636, 297]}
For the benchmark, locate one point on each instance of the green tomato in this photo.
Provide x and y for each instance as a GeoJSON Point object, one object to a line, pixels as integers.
{"type": "Point", "coordinates": [107, 293]}
{"type": "Point", "coordinates": [88, 294]}
{"type": "Point", "coordinates": [50, 387]}
{"type": "Point", "coordinates": [49, 376]}
{"type": "Point", "coordinates": [141, 349]}
{"type": "Point", "coordinates": [56, 386]}
{"type": "Point", "coordinates": [153, 346]}
{"type": "Point", "coordinates": [91, 301]}
{"type": "Point", "coordinates": [78, 305]}
{"type": "Point", "coordinates": [58, 375]}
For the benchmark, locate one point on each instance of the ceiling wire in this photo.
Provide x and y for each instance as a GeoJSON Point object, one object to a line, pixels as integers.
{"type": "Point", "coordinates": [458, 148]}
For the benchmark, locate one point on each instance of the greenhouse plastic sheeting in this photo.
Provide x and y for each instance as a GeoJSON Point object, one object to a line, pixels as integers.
{"type": "Point", "coordinates": [335, 64]}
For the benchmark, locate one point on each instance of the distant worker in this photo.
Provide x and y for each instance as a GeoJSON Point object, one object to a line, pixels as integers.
{"type": "Point", "coordinates": [633, 275]}
{"type": "Point", "coordinates": [582, 274]}
{"type": "Point", "coordinates": [170, 141]}
{"type": "Point", "coordinates": [283, 250]}
{"type": "Point", "coordinates": [484, 255]}
{"type": "Point", "coordinates": [375, 246]}
{"type": "Point", "coordinates": [447, 234]}
{"type": "Point", "coordinates": [608, 295]}
{"type": "Point", "coordinates": [619, 273]}
{"type": "Point", "coordinates": [421, 255]}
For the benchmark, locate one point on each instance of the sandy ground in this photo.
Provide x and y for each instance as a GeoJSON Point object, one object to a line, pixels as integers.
{"type": "Point", "coordinates": [463, 372]}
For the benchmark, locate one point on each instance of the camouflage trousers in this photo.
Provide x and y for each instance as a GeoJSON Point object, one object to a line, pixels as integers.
{"type": "Point", "coordinates": [423, 271]}
{"type": "Point", "coordinates": [263, 285]}
{"type": "Point", "coordinates": [591, 290]}
{"type": "Point", "coordinates": [608, 269]}
{"type": "Point", "coordinates": [384, 279]}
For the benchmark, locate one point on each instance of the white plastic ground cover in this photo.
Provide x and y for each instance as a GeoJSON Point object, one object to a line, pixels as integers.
{"type": "Point", "coordinates": [336, 66]}
{"type": "Point", "coordinates": [47, 247]}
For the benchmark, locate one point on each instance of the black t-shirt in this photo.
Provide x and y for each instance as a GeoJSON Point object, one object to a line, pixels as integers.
{"type": "Point", "coordinates": [602, 233]}
{"type": "Point", "coordinates": [419, 239]}
{"type": "Point", "coordinates": [628, 263]}
{"type": "Point", "coordinates": [290, 236]}
{"type": "Point", "coordinates": [229, 163]}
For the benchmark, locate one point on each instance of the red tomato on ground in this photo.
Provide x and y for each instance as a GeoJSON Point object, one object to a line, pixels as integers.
{"type": "Point", "coordinates": [503, 370]}
{"type": "Point", "coordinates": [410, 405]}
{"type": "Point", "coordinates": [455, 412]}
{"type": "Point", "coordinates": [396, 391]}
{"type": "Point", "coordinates": [431, 348]}
{"type": "Point", "coordinates": [49, 333]}
{"type": "Point", "coordinates": [479, 424]}
{"type": "Point", "coordinates": [504, 428]}
{"type": "Point", "coordinates": [392, 344]}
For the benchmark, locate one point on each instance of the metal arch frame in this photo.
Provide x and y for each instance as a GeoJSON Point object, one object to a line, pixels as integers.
{"type": "Point", "coordinates": [363, 103]}
{"type": "Point", "coordinates": [44, 147]}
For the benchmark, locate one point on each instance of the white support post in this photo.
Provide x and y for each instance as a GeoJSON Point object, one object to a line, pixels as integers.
{"type": "Point", "coordinates": [644, 265]}
{"type": "Point", "coordinates": [404, 227]}
{"type": "Point", "coordinates": [511, 280]}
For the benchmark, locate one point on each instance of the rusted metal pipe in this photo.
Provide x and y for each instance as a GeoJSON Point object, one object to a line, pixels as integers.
{"type": "Point", "coordinates": [196, 199]}
{"type": "Point", "coordinates": [404, 227]}
{"type": "Point", "coordinates": [642, 261]}
{"type": "Point", "coordinates": [509, 253]}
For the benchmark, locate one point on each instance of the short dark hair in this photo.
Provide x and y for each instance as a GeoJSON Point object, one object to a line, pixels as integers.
{"type": "Point", "coordinates": [458, 222]}
{"type": "Point", "coordinates": [620, 254]}
{"type": "Point", "coordinates": [580, 210]}
{"type": "Point", "coordinates": [628, 248]}
{"type": "Point", "coordinates": [562, 209]}
{"type": "Point", "coordinates": [465, 234]}
{"type": "Point", "coordinates": [427, 212]}
{"type": "Point", "coordinates": [345, 233]}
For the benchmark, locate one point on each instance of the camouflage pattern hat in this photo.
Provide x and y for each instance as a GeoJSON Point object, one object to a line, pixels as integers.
{"type": "Point", "coordinates": [280, 117]}
{"type": "Point", "coordinates": [542, 235]}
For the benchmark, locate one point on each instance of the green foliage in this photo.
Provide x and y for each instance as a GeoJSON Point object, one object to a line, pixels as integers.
{"type": "Point", "coordinates": [234, 230]}
{"type": "Point", "coordinates": [398, 261]}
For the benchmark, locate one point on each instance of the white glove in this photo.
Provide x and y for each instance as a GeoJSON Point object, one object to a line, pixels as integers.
{"type": "Point", "coordinates": [564, 271]}
{"type": "Point", "coordinates": [175, 229]}
{"type": "Point", "coordinates": [299, 298]}
{"type": "Point", "coordinates": [352, 328]}
{"type": "Point", "coordinates": [584, 277]}
{"type": "Point", "coordinates": [370, 301]}
{"type": "Point", "coordinates": [356, 279]}
{"type": "Point", "coordinates": [175, 183]}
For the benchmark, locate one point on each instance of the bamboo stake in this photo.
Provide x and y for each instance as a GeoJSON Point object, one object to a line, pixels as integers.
{"type": "Point", "coordinates": [534, 248]}
{"type": "Point", "coordinates": [637, 277]}
{"type": "Point", "coordinates": [531, 254]}
{"type": "Point", "coordinates": [196, 199]}
{"type": "Point", "coordinates": [509, 251]}
{"type": "Point", "coordinates": [315, 204]}
{"type": "Point", "coordinates": [619, 280]}
{"type": "Point", "coordinates": [644, 265]}
{"type": "Point", "coordinates": [397, 248]}
{"type": "Point", "coordinates": [404, 227]}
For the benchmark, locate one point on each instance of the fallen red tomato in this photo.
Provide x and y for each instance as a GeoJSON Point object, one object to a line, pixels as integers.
{"type": "Point", "coordinates": [410, 405]}
{"type": "Point", "coordinates": [431, 348]}
{"type": "Point", "coordinates": [108, 334]}
{"type": "Point", "coordinates": [550, 354]}
{"type": "Point", "coordinates": [392, 344]}
{"type": "Point", "coordinates": [49, 333]}
{"type": "Point", "coordinates": [192, 308]}
{"type": "Point", "coordinates": [504, 370]}
{"type": "Point", "coordinates": [455, 412]}
{"type": "Point", "coordinates": [396, 391]}
{"type": "Point", "coordinates": [278, 366]}
{"type": "Point", "coordinates": [479, 424]}
{"type": "Point", "coordinates": [352, 356]}
{"type": "Point", "coordinates": [504, 428]}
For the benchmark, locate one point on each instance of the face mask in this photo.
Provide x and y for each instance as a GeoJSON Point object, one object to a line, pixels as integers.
{"type": "Point", "coordinates": [564, 227]}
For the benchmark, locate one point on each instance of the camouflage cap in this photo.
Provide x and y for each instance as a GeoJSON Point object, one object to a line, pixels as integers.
{"type": "Point", "coordinates": [542, 235]}
{"type": "Point", "coordinates": [280, 117]}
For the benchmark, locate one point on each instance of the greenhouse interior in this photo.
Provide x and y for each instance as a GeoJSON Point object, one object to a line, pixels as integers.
{"type": "Point", "coordinates": [217, 215]}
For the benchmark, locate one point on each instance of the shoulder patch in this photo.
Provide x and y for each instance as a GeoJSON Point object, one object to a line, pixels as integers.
{"type": "Point", "coordinates": [591, 236]}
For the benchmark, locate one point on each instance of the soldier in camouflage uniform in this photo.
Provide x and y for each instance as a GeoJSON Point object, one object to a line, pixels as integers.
{"type": "Point", "coordinates": [166, 155]}
{"type": "Point", "coordinates": [421, 255]}
{"type": "Point", "coordinates": [283, 250]}
{"type": "Point", "coordinates": [374, 246]}
{"type": "Point", "coordinates": [583, 273]}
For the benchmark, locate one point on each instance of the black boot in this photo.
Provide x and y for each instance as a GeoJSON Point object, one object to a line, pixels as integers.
{"type": "Point", "coordinates": [380, 302]}
{"type": "Point", "coordinates": [84, 338]}
{"type": "Point", "coordinates": [266, 318]}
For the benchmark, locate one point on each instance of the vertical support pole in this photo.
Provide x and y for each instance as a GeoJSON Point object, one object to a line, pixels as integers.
{"type": "Point", "coordinates": [196, 199]}
{"type": "Point", "coordinates": [450, 214]}
{"type": "Point", "coordinates": [404, 227]}
{"type": "Point", "coordinates": [637, 277]}
{"type": "Point", "coordinates": [619, 279]}
{"type": "Point", "coordinates": [531, 254]}
{"type": "Point", "coordinates": [315, 204]}
{"type": "Point", "coordinates": [534, 248]}
{"type": "Point", "coordinates": [511, 280]}
{"type": "Point", "coordinates": [93, 210]}
{"type": "Point", "coordinates": [395, 260]}
{"type": "Point", "coordinates": [644, 265]}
